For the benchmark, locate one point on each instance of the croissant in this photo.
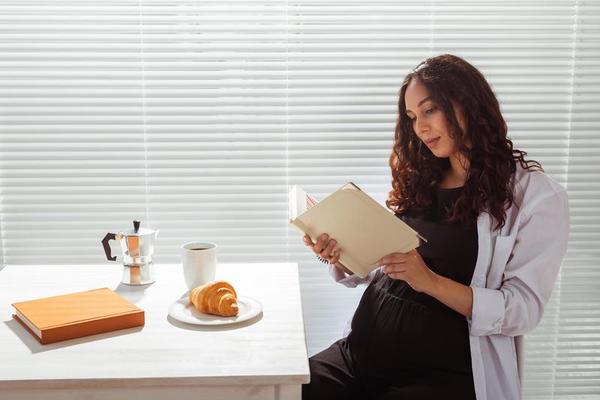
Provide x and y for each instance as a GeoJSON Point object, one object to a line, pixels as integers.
{"type": "Point", "coordinates": [218, 298]}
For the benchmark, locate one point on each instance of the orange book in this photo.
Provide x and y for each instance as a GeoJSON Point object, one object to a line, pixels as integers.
{"type": "Point", "coordinates": [52, 319]}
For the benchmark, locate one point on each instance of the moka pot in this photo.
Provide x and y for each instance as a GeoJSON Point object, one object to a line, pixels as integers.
{"type": "Point", "coordinates": [137, 248]}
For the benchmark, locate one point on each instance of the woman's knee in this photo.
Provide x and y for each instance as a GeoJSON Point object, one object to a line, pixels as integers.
{"type": "Point", "coordinates": [331, 376]}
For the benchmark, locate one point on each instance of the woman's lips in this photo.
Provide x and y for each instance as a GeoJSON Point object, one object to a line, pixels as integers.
{"type": "Point", "coordinates": [432, 142]}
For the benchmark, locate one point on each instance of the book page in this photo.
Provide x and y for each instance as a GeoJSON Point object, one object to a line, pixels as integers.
{"type": "Point", "coordinates": [27, 322]}
{"type": "Point", "coordinates": [299, 202]}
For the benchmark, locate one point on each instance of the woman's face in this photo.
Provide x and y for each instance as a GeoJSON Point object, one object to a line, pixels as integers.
{"type": "Point", "coordinates": [429, 121]}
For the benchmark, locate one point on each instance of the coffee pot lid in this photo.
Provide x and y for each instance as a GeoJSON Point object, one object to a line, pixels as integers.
{"type": "Point", "coordinates": [137, 231]}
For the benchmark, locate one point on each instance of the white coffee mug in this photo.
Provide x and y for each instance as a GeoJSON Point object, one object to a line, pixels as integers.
{"type": "Point", "coordinates": [199, 261]}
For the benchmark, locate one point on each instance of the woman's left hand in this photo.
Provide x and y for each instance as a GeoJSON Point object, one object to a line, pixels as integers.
{"type": "Point", "coordinates": [411, 268]}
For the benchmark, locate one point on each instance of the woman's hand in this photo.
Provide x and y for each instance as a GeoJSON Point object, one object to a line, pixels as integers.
{"type": "Point", "coordinates": [327, 249]}
{"type": "Point", "coordinates": [324, 247]}
{"type": "Point", "coordinates": [411, 268]}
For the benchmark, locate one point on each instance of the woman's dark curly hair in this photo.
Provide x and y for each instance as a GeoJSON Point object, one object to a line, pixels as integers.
{"type": "Point", "coordinates": [416, 171]}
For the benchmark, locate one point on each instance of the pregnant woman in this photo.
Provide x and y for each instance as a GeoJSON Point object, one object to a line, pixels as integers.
{"type": "Point", "coordinates": [445, 321]}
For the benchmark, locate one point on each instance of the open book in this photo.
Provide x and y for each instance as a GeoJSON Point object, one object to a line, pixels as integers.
{"type": "Point", "coordinates": [364, 230]}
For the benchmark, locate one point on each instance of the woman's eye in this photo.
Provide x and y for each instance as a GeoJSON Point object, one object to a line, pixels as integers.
{"type": "Point", "coordinates": [430, 110]}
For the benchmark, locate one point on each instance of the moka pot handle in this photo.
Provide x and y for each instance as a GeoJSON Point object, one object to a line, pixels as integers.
{"type": "Point", "coordinates": [107, 250]}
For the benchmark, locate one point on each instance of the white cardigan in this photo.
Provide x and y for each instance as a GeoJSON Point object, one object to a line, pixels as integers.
{"type": "Point", "coordinates": [514, 276]}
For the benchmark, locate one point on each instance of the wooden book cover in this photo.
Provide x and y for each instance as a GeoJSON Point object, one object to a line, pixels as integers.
{"type": "Point", "coordinates": [364, 229]}
{"type": "Point", "coordinates": [68, 316]}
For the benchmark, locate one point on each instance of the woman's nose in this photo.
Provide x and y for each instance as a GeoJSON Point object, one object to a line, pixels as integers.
{"type": "Point", "coordinates": [420, 126]}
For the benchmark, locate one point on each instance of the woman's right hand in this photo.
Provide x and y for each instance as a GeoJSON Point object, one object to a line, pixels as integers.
{"type": "Point", "coordinates": [324, 247]}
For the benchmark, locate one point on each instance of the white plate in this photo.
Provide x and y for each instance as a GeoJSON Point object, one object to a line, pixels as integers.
{"type": "Point", "coordinates": [183, 311]}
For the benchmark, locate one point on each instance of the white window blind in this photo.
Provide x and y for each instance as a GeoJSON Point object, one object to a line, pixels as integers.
{"type": "Point", "coordinates": [577, 359]}
{"type": "Point", "coordinates": [215, 125]}
{"type": "Point", "coordinates": [73, 160]}
{"type": "Point", "coordinates": [171, 112]}
{"type": "Point", "coordinates": [194, 116]}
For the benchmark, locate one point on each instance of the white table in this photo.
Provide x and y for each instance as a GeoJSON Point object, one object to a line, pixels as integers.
{"type": "Point", "coordinates": [263, 358]}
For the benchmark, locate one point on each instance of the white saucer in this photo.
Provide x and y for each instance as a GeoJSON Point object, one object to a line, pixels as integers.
{"type": "Point", "coordinates": [183, 311]}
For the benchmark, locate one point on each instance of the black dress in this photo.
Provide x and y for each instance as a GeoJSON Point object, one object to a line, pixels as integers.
{"type": "Point", "coordinates": [405, 344]}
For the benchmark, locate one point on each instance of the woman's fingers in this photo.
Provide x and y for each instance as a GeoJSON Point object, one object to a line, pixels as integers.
{"type": "Point", "coordinates": [321, 243]}
{"type": "Point", "coordinates": [324, 247]}
{"type": "Point", "coordinates": [326, 253]}
{"type": "Point", "coordinates": [335, 257]}
{"type": "Point", "coordinates": [308, 241]}
{"type": "Point", "coordinates": [393, 258]}
{"type": "Point", "coordinates": [394, 268]}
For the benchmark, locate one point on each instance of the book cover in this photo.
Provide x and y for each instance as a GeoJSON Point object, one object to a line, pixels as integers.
{"type": "Point", "coordinates": [68, 316]}
{"type": "Point", "coordinates": [364, 229]}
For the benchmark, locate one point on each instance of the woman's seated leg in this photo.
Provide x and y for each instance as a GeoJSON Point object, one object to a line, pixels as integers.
{"type": "Point", "coordinates": [332, 375]}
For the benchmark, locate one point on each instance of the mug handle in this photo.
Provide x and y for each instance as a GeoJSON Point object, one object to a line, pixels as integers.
{"type": "Point", "coordinates": [107, 250]}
